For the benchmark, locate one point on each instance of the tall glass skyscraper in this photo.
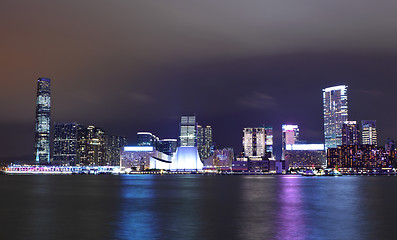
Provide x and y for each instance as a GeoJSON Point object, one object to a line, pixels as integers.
{"type": "Point", "coordinates": [188, 134]}
{"type": "Point", "coordinates": [42, 134]}
{"type": "Point", "coordinates": [204, 141]}
{"type": "Point", "coordinates": [335, 114]}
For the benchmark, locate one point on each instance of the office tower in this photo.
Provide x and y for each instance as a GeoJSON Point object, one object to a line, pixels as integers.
{"type": "Point", "coordinates": [204, 141]}
{"type": "Point", "coordinates": [290, 135]}
{"type": "Point", "coordinates": [269, 141]}
{"type": "Point", "coordinates": [146, 139]}
{"type": "Point", "coordinates": [42, 134]}
{"type": "Point", "coordinates": [187, 137]}
{"type": "Point", "coordinates": [350, 133]}
{"type": "Point", "coordinates": [167, 146]}
{"type": "Point", "coordinates": [368, 131]}
{"type": "Point", "coordinates": [91, 146]}
{"type": "Point", "coordinates": [258, 141]}
{"type": "Point", "coordinates": [114, 146]}
{"type": "Point", "coordinates": [65, 143]}
{"type": "Point", "coordinates": [335, 114]}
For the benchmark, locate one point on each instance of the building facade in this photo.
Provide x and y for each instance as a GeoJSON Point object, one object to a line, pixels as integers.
{"type": "Point", "coordinates": [188, 134]}
{"type": "Point", "coordinates": [114, 146]}
{"type": "Point", "coordinates": [91, 147]}
{"type": "Point", "coordinates": [290, 135]}
{"type": "Point", "coordinates": [360, 157]}
{"type": "Point", "coordinates": [350, 133]}
{"type": "Point", "coordinates": [146, 139]}
{"type": "Point", "coordinates": [258, 141]}
{"type": "Point", "coordinates": [335, 114]}
{"type": "Point", "coordinates": [43, 121]}
{"type": "Point", "coordinates": [167, 146]}
{"type": "Point", "coordinates": [65, 143]}
{"type": "Point", "coordinates": [305, 155]}
{"type": "Point", "coordinates": [204, 141]}
{"type": "Point", "coordinates": [221, 159]}
{"type": "Point", "coordinates": [368, 132]}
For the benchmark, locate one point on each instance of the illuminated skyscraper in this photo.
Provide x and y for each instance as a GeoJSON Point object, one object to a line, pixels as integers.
{"type": "Point", "coordinates": [368, 131]}
{"type": "Point", "coordinates": [188, 137]}
{"type": "Point", "coordinates": [42, 129]}
{"type": "Point", "coordinates": [335, 114]}
{"type": "Point", "coordinates": [91, 147]}
{"type": "Point", "coordinates": [258, 141]}
{"type": "Point", "coordinates": [204, 141]}
{"type": "Point", "coordinates": [290, 136]}
{"type": "Point", "coordinates": [65, 143]}
{"type": "Point", "coordinates": [350, 133]}
{"type": "Point", "coordinates": [114, 146]}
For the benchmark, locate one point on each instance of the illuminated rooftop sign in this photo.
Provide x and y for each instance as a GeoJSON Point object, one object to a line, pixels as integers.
{"type": "Point", "coordinates": [289, 127]}
{"type": "Point", "coordinates": [138, 149]}
{"type": "Point", "coordinates": [305, 147]}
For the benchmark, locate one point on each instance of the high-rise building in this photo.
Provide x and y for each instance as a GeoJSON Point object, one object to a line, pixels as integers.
{"type": "Point", "coordinates": [42, 129]}
{"type": "Point", "coordinates": [204, 141]}
{"type": "Point", "coordinates": [91, 147]}
{"type": "Point", "coordinates": [350, 133]}
{"type": "Point", "coordinates": [65, 143]}
{"type": "Point", "coordinates": [290, 135]}
{"type": "Point", "coordinates": [368, 132]}
{"type": "Point", "coordinates": [258, 142]}
{"type": "Point", "coordinates": [114, 146]}
{"type": "Point", "coordinates": [188, 137]}
{"type": "Point", "coordinates": [146, 139]}
{"type": "Point", "coordinates": [335, 114]}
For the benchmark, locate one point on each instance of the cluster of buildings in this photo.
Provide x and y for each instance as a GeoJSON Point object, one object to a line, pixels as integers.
{"type": "Point", "coordinates": [347, 144]}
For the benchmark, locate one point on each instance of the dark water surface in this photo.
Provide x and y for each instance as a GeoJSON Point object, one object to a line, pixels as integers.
{"type": "Point", "coordinates": [197, 207]}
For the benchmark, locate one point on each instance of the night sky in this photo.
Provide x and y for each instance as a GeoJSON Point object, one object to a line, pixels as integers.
{"type": "Point", "coordinates": [129, 66]}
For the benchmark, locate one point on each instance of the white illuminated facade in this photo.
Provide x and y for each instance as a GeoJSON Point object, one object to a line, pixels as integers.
{"type": "Point", "coordinates": [258, 141]}
{"type": "Point", "coordinates": [140, 158]}
{"type": "Point", "coordinates": [335, 114]}
{"type": "Point", "coordinates": [186, 159]}
{"type": "Point", "coordinates": [305, 147]}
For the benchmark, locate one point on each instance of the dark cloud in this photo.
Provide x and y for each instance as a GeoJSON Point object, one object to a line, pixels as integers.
{"type": "Point", "coordinates": [258, 100]}
{"type": "Point", "coordinates": [137, 65]}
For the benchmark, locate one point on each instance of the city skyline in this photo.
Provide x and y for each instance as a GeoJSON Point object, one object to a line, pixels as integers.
{"type": "Point", "coordinates": [235, 65]}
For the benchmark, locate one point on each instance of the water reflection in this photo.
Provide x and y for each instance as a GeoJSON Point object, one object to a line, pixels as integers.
{"type": "Point", "coordinates": [137, 218]}
{"type": "Point", "coordinates": [290, 222]}
{"type": "Point", "coordinates": [197, 207]}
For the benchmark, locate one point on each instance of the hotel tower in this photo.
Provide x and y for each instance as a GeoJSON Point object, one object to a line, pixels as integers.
{"type": "Point", "coordinates": [42, 134]}
{"type": "Point", "coordinates": [335, 114]}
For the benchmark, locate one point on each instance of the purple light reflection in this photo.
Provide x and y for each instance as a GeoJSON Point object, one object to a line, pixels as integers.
{"type": "Point", "coordinates": [291, 222]}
